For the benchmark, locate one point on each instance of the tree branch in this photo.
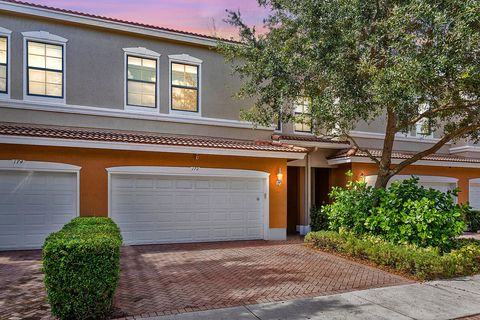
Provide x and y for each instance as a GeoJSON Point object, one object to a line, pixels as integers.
{"type": "Point", "coordinates": [434, 148]}
{"type": "Point", "coordinates": [369, 154]}
{"type": "Point", "coordinates": [430, 113]}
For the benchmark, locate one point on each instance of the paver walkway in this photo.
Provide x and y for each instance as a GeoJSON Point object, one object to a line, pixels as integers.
{"type": "Point", "coordinates": [436, 300]}
{"type": "Point", "coordinates": [169, 279]}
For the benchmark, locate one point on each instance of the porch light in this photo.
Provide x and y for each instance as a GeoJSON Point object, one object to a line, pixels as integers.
{"type": "Point", "coordinates": [279, 177]}
{"type": "Point", "coordinates": [362, 177]}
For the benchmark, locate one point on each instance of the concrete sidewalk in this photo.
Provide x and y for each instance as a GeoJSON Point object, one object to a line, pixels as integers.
{"type": "Point", "coordinates": [446, 299]}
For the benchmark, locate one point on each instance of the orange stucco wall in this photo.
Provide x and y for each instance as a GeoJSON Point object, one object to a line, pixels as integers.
{"type": "Point", "coordinates": [337, 175]}
{"type": "Point", "coordinates": [462, 174]}
{"type": "Point", "coordinates": [94, 178]}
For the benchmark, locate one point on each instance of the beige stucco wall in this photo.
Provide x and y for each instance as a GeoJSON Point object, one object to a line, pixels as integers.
{"type": "Point", "coordinates": [95, 66]}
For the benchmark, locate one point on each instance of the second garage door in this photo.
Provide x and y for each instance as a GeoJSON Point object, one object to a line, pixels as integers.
{"type": "Point", "coordinates": [173, 209]}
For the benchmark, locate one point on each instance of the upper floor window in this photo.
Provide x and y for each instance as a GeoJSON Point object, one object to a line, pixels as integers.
{"type": "Point", "coordinates": [303, 117]}
{"type": "Point", "coordinates": [141, 79]}
{"type": "Point", "coordinates": [45, 69]}
{"type": "Point", "coordinates": [422, 129]}
{"type": "Point", "coordinates": [141, 82]}
{"type": "Point", "coordinates": [184, 87]}
{"type": "Point", "coordinates": [44, 66]}
{"type": "Point", "coordinates": [185, 83]}
{"type": "Point", "coordinates": [3, 64]}
{"type": "Point", "coordinates": [278, 125]}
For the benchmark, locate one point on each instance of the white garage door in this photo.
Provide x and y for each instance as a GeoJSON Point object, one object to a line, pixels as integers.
{"type": "Point", "coordinates": [174, 209]}
{"type": "Point", "coordinates": [440, 186]}
{"type": "Point", "coordinates": [474, 195]}
{"type": "Point", "coordinates": [34, 204]}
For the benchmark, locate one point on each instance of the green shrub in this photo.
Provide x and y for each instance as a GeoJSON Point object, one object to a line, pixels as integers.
{"type": "Point", "coordinates": [472, 219]}
{"type": "Point", "coordinates": [424, 263]}
{"type": "Point", "coordinates": [409, 213]}
{"type": "Point", "coordinates": [404, 213]}
{"type": "Point", "coordinates": [351, 206]}
{"type": "Point", "coordinates": [81, 263]}
{"type": "Point", "coordinates": [318, 219]}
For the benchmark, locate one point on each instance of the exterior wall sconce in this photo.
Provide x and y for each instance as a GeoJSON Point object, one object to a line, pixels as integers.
{"type": "Point", "coordinates": [279, 177]}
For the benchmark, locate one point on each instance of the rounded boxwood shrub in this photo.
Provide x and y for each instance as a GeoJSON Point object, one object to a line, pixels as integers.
{"type": "Point", "coordinates": [81, 263]}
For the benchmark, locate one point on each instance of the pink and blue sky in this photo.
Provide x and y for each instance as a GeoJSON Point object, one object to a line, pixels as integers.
{"type": "Point", "coordinates": [190, 15]}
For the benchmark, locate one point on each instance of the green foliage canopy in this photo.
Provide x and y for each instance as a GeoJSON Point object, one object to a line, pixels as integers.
{"type": "Point", "coordinates": [403, 60]}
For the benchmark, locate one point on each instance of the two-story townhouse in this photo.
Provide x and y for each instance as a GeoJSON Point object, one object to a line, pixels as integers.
{"type": "Point", "coordinates": [105, 117]}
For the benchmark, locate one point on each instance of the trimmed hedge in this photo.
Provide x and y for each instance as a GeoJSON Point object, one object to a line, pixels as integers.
{"type": "Point", "coordinates": [423, 263]}
{"type": "Point", "coordinates": [81, 263]}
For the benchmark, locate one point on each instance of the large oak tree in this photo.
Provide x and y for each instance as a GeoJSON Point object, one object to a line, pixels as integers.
{"type": "Point", "coordinates": [405, 61]}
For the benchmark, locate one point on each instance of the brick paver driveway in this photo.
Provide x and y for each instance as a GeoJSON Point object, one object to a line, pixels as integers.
{"type": "Point", "coordinates": [164, 279]}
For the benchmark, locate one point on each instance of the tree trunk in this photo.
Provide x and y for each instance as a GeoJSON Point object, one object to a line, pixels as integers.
{"type": "Point", "coordinates": [383, 177]}
{"type": "Point", "coordinates": [384, 173]}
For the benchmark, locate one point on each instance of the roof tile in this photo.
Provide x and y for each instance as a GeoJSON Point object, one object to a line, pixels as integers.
{"type": "Point", "coordinates": [15, 129]}
{"type": "Point", "coordinates": [345, 153]}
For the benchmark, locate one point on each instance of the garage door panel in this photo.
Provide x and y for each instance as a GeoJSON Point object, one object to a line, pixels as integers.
{"type": "Point", "coordinates": [144, 182]}
{"type": "Point", "coordinates": [35, 219]}
{"type": "Point", "coordinates": [202, 184]}
{"type": "Point", "coordinates": [164, 217]}
{"type": "Point", "coordinates": [253, 232]}
{"type": "Point", "coordinates": [64, 199]}
{"type": "Point", "coordinates": [220, 184]}
{"type": "Point", "coordinates": [183, 184]}
{"type": "Point", "coordinates": [254, 186]}
{"type": "Point", "coordinates": [201, 234]}
{"type": "Point", "coordinates": [60, 219]}
{"type": "Point", "coordinates": [202, 217]}
{"type": "Point", "coordinates": [180, 209]}
{"type": "Point", "coordinates": [237, 185]}
{"type": "Point", "coordinates": [9, 218]}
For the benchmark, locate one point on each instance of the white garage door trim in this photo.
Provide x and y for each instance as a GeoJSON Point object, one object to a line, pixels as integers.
{"type": "Point", "coordinates": [42, 166]}
{"type": "Point", "coordinates": [197, 172]}
{"type": "Point", "coordinates": [370, 180]}
{"type": "Point", "coordinates": [473, 201]}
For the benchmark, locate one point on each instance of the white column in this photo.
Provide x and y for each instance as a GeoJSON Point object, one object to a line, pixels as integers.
{"type": "Point", "coordinates": [305, 228]}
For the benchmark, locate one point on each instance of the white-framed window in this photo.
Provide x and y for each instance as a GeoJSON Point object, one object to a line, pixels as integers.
{"type": "Point", "coordinates": [185, 84]}
{"type": "Point", "coordinates": [421, 129]}
{"type": "Point", "coordinates": [141, 79]}
{"type": "Point", "coordinates": [5, 62]}
{"type": "Point", "coordinates": [44, 65]}
{"type": "Point", "coordinates": [303, 116]}
{"type": "Point", "coordinates": [278, 125]}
